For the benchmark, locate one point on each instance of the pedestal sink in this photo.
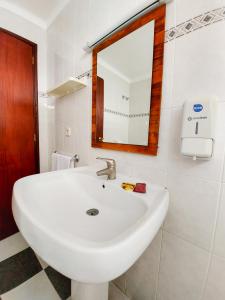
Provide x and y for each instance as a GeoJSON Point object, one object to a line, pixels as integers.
{"type": "Point", "coordinates": [85, 227]}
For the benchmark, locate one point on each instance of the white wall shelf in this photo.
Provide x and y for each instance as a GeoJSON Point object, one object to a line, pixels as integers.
{"type": "Point", "coordinates": [67, 87]}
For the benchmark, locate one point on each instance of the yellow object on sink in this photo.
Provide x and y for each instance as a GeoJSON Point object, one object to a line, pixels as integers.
{"type": "Point", "coordinates": [128, 186]}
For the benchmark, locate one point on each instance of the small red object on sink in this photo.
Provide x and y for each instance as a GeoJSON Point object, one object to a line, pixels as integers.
{"type": "Point", "coordinates": [140, 188]}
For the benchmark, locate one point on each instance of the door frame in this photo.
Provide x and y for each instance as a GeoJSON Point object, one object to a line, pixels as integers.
{"type": "Point", "coordinates": [35, 94]}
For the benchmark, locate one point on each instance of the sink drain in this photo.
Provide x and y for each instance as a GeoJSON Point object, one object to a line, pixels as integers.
{"type": "Point", "coordinates": [92, 212]}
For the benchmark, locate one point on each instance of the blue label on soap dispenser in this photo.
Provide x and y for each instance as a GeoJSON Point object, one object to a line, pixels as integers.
{"type": "Point", "coordinates": [198, 107]}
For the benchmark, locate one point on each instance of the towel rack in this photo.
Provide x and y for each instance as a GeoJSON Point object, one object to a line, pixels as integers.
{"type": "Point", "coordinates": [74, 159]}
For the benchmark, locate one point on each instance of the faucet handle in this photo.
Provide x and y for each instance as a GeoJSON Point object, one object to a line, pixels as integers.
{"type": "Point", "coordinates": [110, 162]}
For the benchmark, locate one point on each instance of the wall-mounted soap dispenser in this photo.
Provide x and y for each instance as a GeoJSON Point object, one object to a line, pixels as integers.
{"type": "Point", "coordinates": [198, 129]}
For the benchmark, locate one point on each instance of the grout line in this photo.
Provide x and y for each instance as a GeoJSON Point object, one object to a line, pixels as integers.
{"type": "Point", "coordinates": [160, 259]}
{"type": "Point", "coordinates": [167, 161]}
{"type": "Point", "coordinates": [125, 286]}
{"type": "Point", "coordinates": [211, 247]}
{"type": "Point", "coordinates": [118, 287]}
{"type": "Point", "coordinates": [218, 208]}
{"type": "Point", "coordinates": [187, 241]}
{"type": "Point", "coordinates": [206, 277]}
{"type": "Point", "coordinates": [205, 180]}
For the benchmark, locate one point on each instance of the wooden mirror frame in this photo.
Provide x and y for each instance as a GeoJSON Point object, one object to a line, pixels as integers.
{"type": "Point", "coordinates": [159, 16]}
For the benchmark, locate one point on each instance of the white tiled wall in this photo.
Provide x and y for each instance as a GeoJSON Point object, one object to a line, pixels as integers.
{"type": "Point", "coordinates": [186, 261]}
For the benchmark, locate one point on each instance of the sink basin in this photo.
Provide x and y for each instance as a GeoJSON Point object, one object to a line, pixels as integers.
{"type": "Point", "coordinates": [86, 227]}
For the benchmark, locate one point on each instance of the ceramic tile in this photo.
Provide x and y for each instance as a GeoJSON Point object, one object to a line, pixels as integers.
{"type": "Point", "coordinates": [199, 61]}
{"type": "Point", "coordinates": [59, 128]}
{"type": "Point", "coordinates": [183, 270]}
{"type": "Point", "coordinates": [154, 168]}
{"type": "Point", "coordinates": [17, 269]}
{"type": "Point", "coordinates": [219, 245]}
{"type": "Point", "coordinates": [101, 20]}
{"type": "Point", "coordinates": [37, 288]}
{"type": "Point", "coordinates": [124, 13]}
{"type": "Point", "coordinates": [168, 75]}
{"type": "Point", "coordinates": [215, 288]}
{"type": "Point", "coordinates": [12, 245]}
{"type": "Point", "coordinates": [120, 282]}
{"type": "Point", "coordinates": [116, 294]}
{"type": "Point", "coordinates": [192, 209]}
{"type": "Point", "coordinates": [223, 177]}
{"type": "Point", "coordinates": [61, 283]}
{"type": "Point", "coordinates": [191, 25]}
{"type": "Point", "coordinates": [185, 11]}
{"type": "Point", "coordinates": [170, 14]}
{"type": "Point", "coordinates": [206, 169]}
{"type": "Point", "coordinates": [141, 278]}
{"type": "Point", "coordinates": [118, 16]}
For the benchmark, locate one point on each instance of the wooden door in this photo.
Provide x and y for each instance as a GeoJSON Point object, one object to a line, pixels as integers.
{"type": "Point", "coordinates": [18, 120]}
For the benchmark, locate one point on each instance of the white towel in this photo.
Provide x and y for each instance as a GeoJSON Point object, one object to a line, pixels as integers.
{"type": "Point", "coordinates": [60, 162]}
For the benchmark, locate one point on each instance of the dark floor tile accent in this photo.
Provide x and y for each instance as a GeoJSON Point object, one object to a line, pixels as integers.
{"type": "Point", "coordinates": [17, 269]}
{"type": "Point", "coordinates": [61, 283]}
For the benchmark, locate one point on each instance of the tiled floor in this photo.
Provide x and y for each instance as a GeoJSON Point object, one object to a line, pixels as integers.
{"type": "Point", "coordinates": [36, 288]}
{"type": "Point", "coordinates": [24, 276]}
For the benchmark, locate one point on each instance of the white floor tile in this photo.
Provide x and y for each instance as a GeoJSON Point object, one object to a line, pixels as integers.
{"type": "Point", "coordinates": [12, 245]}
{"type": "Point", "coordinates": [37, 288]}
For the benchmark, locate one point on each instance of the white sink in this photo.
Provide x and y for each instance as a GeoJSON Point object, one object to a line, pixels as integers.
{"type": "Point", "coordinates": [50, 211]}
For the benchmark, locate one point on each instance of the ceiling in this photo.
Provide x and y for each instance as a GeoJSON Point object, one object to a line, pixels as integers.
{"type": "Point", "coordinates": [40, 12]}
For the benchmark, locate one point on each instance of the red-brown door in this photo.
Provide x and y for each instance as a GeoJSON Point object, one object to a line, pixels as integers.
{"type": "Point", "coordinates": [18, 125]}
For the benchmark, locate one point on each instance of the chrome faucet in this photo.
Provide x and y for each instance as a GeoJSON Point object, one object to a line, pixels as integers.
{"type": "Point", "coordinates": [110, 171]}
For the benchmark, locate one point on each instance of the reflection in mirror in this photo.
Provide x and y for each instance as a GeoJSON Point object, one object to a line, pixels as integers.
{"type": "Point", "coordinates": [124, 73]}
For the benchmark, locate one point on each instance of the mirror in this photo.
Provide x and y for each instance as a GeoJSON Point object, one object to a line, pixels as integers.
{"type": "Point", "coordinates": [125, 70]}
{"type": "Point", "coordinates": [127, 79]}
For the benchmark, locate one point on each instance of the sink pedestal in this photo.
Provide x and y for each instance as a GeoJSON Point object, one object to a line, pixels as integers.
{"type": "Point", "coordinates": [85, 291]}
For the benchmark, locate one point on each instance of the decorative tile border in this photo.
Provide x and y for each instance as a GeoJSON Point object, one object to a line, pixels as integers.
{"type": "Point", "coordinates": [118, 113]}
{"type": "Point", "coordinates": [141, 115]}
{"type": "Point", "coordinates": [196, 23]}
{"type": "Point", "coordinates": [173, 33]}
